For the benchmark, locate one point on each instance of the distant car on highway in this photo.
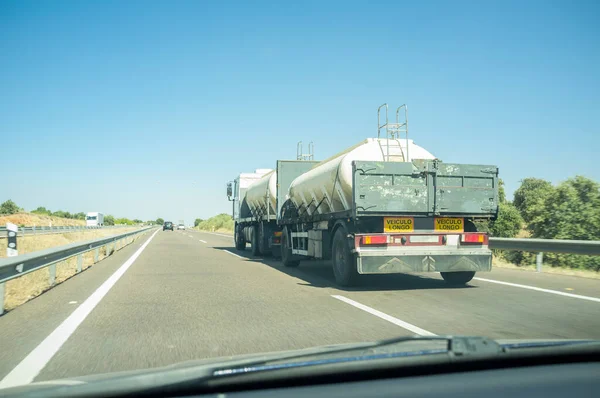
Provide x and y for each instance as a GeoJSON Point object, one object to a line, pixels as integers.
{"type": "Point", "coordinates": [168, 225]}
{"type": "Point", "coordinates": [181, 226]}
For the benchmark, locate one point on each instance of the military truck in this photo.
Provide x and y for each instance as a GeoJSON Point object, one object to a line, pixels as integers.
{"type": "Point", "coordinates": [387, 205]}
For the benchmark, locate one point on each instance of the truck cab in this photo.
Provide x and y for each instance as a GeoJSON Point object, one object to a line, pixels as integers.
{"type": "Point", "coordinates": [94, 219]}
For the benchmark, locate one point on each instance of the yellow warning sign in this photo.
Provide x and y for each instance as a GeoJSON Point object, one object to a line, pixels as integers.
{"type": "Point", "coordinates": [448, 224]}
{"type": "Point", "coordinates": [398, 224]}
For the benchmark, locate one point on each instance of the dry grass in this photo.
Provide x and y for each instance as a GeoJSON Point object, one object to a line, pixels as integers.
{"type": "Point", "coordinates": [30, 219]}
{"type": "Point", "coordinates": [501, 263]}
{"type": "Point", "coordinates": [23, 289]}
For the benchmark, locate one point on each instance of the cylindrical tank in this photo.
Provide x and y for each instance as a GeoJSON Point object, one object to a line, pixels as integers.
{"type": "Point", "coordinates": [330, 182]}
{"type": "Point", "coordinates": [263, 193]}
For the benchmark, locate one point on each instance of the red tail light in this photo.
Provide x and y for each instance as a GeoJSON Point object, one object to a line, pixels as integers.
{"type": "Point", "coordinates": [479, 239]}
{"type": "Point", "coordinates": [374, 240]}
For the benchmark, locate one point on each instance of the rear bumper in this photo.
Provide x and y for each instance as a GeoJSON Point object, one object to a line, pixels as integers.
{"type": "Point", "coordinates": [390, 260]}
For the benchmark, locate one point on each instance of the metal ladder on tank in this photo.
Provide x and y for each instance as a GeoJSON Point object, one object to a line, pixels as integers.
{"type": "Point", "coordinates": [392, 150]}
{"type": "Point", "coordinates": [305, 156]}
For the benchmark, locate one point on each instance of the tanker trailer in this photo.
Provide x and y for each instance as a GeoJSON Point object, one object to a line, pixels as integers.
{"type": "Point", "coordinates": [259, 203]}
{"type": "Point", "coordinates": [387, 205]}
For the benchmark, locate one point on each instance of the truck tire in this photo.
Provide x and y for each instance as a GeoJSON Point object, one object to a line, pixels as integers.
{"type": "Point", "coordinates": [238, 239]}
{"type": "Point", "coordinates": [263, 244]}
{"type": "Point", "coordinates": [458, 278]}
{"type": "Point", "coordinates": [254, 243]}
{"type": "Point", "coordinates": [343, 261]}
{"type": "Point", "coordinates": [287, 258]}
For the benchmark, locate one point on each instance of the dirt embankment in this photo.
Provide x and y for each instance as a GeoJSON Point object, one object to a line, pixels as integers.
{"type": "Point", "coordinates": [30, 219]}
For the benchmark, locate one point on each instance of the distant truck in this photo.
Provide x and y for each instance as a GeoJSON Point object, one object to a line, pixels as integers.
{"type": "Point", "coordinates": [385, 205]}
{"type": "Point", "coordinates": [94, 219]}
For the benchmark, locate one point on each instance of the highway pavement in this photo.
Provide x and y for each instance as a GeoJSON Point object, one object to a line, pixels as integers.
{"type": "Point", "coordinates": [184, 295]}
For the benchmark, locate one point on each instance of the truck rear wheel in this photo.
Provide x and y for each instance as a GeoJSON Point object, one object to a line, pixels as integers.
{"type": "Point", "coordinates": [238, 239]}
{"type": "Point", "coordinates": [458, 278]}
{"type": "Point", "coordinates": [287, 258]}
{"type": "Point", "coordinates": [344, 262]}
{"type": "Point", "coordinates": [255, 238]}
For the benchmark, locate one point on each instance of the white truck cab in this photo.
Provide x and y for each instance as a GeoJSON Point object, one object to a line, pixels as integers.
{"type": "Point", "coordinates": [94, 219]}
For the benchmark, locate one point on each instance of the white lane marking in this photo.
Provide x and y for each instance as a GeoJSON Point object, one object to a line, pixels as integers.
{"type": "Point", "coordinates": [389, 318]}
{"type": "Point", "coordinates": [203, 241]}
{"type": "Point", "coordinates": [216, 233]}
{"type": "Point", "coordinates": [233, 254]}
{"type": "Point", "coordinates": [37, 359]}
{"type": "Point", "coordinates": [539, 289]}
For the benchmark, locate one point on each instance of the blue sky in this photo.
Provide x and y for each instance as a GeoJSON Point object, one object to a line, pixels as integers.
{"type": "Point", "coordinates": [145, 109]}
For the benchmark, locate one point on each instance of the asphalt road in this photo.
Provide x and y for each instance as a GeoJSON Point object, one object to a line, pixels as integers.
{"type": "Point", "coordinates": [190, 295]}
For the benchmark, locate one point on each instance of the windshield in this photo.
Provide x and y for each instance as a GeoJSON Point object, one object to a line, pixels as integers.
{"type": "Point", "coordinates": [300, 223]}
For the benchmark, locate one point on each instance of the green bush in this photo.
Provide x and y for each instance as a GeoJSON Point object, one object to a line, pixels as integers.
{"type": "Point", "coordinates": [571, 211]}
{"type": "Point", "coordinates": [124, 221]}
{"type": "Point", "coordinates": [501, 191]}
{"type": "Point", "coordinates": [62, 214]}
{"type": "Point", "coordinates": [9, 207]}
{"type": "Point", "coordinates": [509, 222]}
{"type": "Point", "coordinates": [42, 211]}
{"type": "Point", "coordinates": [59, 213]}
{"type": "Point", "coordinates": [79, 216]}
{"type": "Point", "coordinates": [222, 221]}
{"type": "Point", "coordinates": [530, 200]}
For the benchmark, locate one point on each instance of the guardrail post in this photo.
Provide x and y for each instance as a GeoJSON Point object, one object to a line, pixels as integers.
{"type": "Point", "coordinates": [79, 263]}
{"type": "Point", "coordinates": [538, 261]}
{"type": "Point", "coordinates": [52, 274]}
{"type": "Point", "coordinates": [96, 255]}
{"type": "Point", "coordinates": [107, 249]}
{"type": "Point", "coordinates": [1, 298]}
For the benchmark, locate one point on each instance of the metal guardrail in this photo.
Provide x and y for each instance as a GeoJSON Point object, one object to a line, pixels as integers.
{"type": "Point", "coordinates": [15, 267]}
{"type": "Point", "coordinates": [43, 230]}
{"type": "Point", "coordinates": [585, 247]}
